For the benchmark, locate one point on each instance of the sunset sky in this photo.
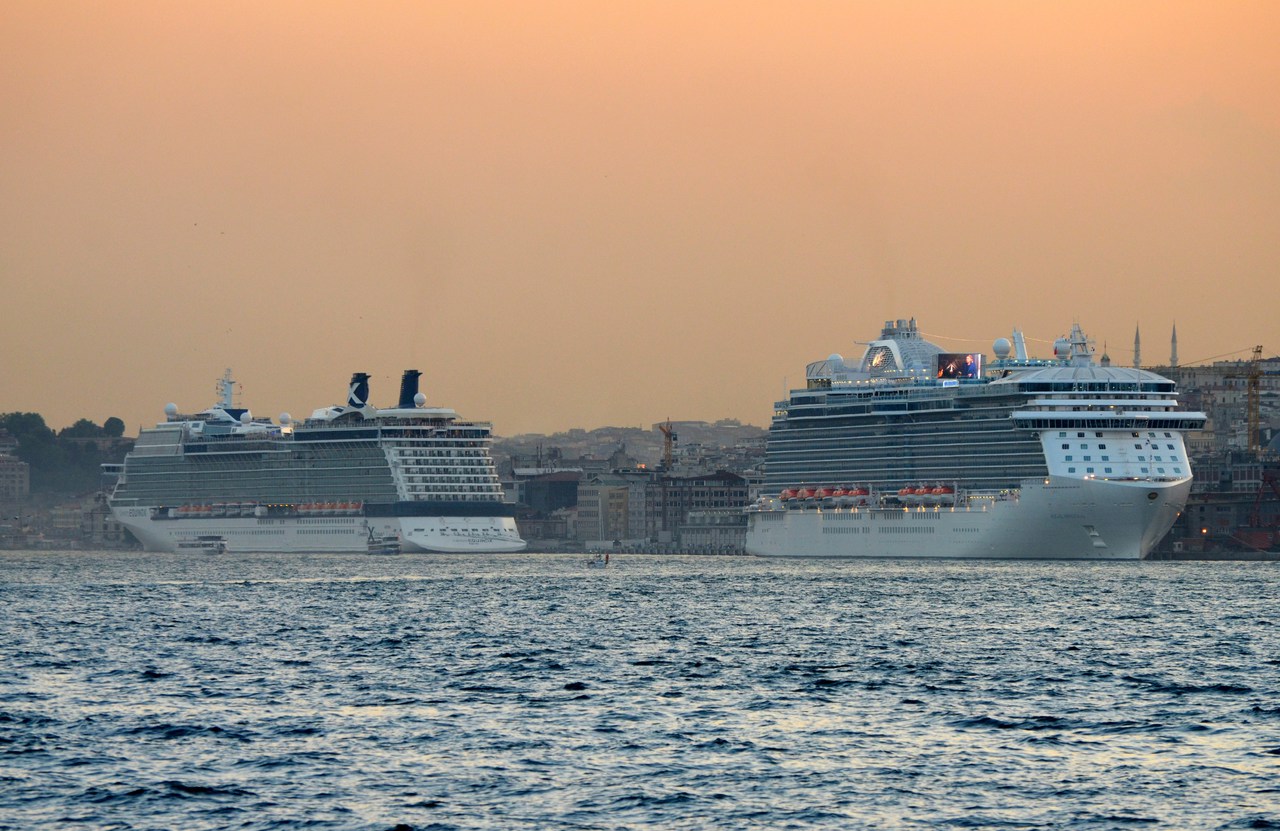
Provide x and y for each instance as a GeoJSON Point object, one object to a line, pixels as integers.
{"type": "Point", "coordinates": [585, 213]}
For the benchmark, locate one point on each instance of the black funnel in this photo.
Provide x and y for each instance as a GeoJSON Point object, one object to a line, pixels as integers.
{"type": "Point", "coordinates": [409, 389]}
{"type": "Point", "coordinates": [358, 395]}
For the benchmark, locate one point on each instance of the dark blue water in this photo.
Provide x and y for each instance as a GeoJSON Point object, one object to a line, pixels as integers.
{"type": "Point", "coordinates": [146, 691]}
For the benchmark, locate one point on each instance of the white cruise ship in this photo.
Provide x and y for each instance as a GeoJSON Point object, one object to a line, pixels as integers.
{"type": "Point", "coordinates": [349, 474]}
{"type": "Point", "coordinates": [917, 452]}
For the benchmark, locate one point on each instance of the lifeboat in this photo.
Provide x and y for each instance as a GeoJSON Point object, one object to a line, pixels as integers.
{"type": "Point", "coordinates": [944, 494]}
{"type": "Point", "coordinates": [789, 493]}
{"type": "Point", "coordinates": [805, 493]}
{"type": "Point", "coordinates": [907, 494]}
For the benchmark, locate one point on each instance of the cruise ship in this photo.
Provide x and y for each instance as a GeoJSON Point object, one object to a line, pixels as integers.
{"type": "Point", "coordinates": [344, 477]}
{"type": "Point", "coordinates": [914, 451]}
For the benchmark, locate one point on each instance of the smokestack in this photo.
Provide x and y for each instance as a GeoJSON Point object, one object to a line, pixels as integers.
{"type": "Point", "coordinates": [358, 394]}
{"type": "Point", "coordinates": [409, 389]}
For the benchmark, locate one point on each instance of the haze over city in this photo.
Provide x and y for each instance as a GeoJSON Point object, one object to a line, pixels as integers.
{"type": "Point", "coordinates": [579, 214]}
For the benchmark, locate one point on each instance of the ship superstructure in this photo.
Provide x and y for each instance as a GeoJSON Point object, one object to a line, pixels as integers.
{"type": "Point", "coordinates": [915, 451]}
{"type": "Point", "coordinates": [410, 472]}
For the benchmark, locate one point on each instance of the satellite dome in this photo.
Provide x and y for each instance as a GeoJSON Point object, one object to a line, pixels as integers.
{"type": "Point", "coordinates": [1062, 348]}
{"type": "Point", "coordinates": [836, 358]}
{"type": "Point", "coordinates": [245, 418]}
{"type": "Point", "coordinates": [419, 399]}
{"type": "Point", "coordinates": [285, 418]}
{"type": "Point", "coordinates": [1001, 347]}
{"type": "Point", "coordinates": [171, 409]}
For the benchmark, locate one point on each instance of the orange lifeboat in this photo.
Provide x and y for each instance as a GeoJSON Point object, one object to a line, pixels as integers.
{"type": "Point", "coordinates": [806, 493]}
{"type": "Point", "coordinates": [790, 493]}
{"type": "Point", "coordinates": [944, 493]}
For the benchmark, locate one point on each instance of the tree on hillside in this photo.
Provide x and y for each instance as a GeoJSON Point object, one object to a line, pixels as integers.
{"type": "Point", "coordinates": [82, 429]}
{"type": "Point", "coordinates": [59, 463]}
{"type": "Point", "coordinates": [113, 428]}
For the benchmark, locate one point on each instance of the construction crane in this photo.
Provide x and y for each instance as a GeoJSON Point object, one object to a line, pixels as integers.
{"type": "Point", "coordinates": [1253, 400]}
{"type": "Point", "coordinates": [668, 443]}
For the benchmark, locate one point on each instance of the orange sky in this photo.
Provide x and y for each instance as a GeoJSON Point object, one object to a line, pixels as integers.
{"type": "Point", "coordinates": [578, 214]}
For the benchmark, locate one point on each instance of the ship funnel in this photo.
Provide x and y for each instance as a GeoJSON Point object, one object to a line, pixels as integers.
{"type": "Point", "coordinates": [358, 394]}
{"type": "Point", "coordinates": [408, 389]}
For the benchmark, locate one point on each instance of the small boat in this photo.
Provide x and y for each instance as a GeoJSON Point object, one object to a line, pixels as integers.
{"type": "Point", "coordinates": [600, 560]}
{"type": "Point", "coordinates": [383, 543]}
{"type": "Point", "coordinates": [203, 544]}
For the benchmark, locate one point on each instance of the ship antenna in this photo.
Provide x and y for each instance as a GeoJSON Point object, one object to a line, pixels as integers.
{"type": "Point", "coordinates": [226, 387]}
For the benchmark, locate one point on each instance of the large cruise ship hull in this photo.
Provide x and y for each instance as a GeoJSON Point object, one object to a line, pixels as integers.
{"type": "Point", "coordinates": [339, 534]}
{"type": "Point", "coordinates": [1056, 518]}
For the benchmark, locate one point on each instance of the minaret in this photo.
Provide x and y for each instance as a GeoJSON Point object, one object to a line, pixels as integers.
{"type": "Point", "coordinates": [1137, 347]}
{"type": "Point", "coordinates": [1173, 347]}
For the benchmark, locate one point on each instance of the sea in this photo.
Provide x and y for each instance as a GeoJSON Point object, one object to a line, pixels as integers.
{"type": "Point", "coordinates": [531, 691]}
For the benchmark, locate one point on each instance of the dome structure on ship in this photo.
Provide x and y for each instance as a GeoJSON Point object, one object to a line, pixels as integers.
{"type": "Point", "coordinates": [899, 348]}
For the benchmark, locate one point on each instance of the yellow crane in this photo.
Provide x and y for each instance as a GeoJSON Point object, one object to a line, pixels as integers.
{"type": "Point", "coordinates": [669, 440]}
{"type": "Point", "coordinates": [1254, 401]}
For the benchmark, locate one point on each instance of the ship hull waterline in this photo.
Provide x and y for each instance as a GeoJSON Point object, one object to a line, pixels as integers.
{"type": "Point", "coordinates": [1057, 518]}
{"type": "Point", "coordinates": [339, 535]}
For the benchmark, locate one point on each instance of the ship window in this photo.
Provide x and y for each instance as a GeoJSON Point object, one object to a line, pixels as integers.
{"type": "Point", "coordinates": [1071, 470]}
{"type": "Point", "coordinates": [1160, 469]}
{"type": "Point", "coordinates": [1088, 458]}
{"type": "Point", "coordinates": [1168, 435]}
{"type": "Point", "coordinates": [1170, 446]}
{"type": "Point", "coordinates": [1097, 435]}
{"type": "Point", "coordinates": [1066, 446]}
{"type": "Point", "coordinates": [1106, 458]}
{"type": "Point", "coordinates": [1062, 435]}
{"type": "Point", "coordinates": [1068, 457]}
{"type": "Point", "coordinates": [1079, 435]}
{"type": "Point", "coordinates": [1137, 446]}
{"type": "Point", "coordinates": [1142, 458]}
{"type": "Point", "coordinates": [1102, 447]}
{"type": "Point", "coordinates": [1084, 446]}
{"type": "Point", "coordinates": [1106, 470]}
{"type": "Point", "coordinates": [1088, 470]}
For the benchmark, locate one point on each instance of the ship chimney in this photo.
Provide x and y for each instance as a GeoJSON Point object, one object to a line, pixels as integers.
{"type": "Point", "coordinates": [408, 389]}
{"type": "Point", "coordinates": [358, 394]}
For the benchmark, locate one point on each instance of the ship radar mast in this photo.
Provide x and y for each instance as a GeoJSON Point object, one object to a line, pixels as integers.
{"type": "Point", "coordinates": [1081, 347]}
{"type": "Point", "coordinates": [226, 390]}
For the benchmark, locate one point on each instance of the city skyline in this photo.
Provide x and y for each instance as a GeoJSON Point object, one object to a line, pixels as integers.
{"type": "Point", "coordinates": [574, 215]}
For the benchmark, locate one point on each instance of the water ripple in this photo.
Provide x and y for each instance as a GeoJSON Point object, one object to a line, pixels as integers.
{"type": "Point", "coordinates": [146, 691]}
